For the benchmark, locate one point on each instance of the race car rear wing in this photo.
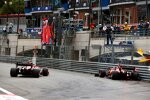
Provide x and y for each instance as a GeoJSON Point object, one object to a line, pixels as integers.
{"type": "Point", "coordinates": [128, 68]}
{"type": "Point", "coordinates": [23, 64]}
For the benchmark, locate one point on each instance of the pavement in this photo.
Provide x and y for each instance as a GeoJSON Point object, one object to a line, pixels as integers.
{"type": "Point", "coordinates": [66, 85]}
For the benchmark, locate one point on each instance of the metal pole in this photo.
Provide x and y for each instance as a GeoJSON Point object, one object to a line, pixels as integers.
{"type": "Point", "coordinates": [7, 18]}
{"type": "Point", "coordinates": [41, 50]}
{"type": "Point", "coordinates": [132, 55]}
{"type": "Point", "coordinates": [101, 12]}
{"type": "Point", "coordinates": [18, 15]}
{"type": "Point", "coordinates": [7, 3]}
{"type": "Point", "coordinates": [100, 48]}
{"type": "Point", "coordinates": [74, 6]}
{"type": "Point", "coordinates": [89, 21]}
{"type": "Point", "coordinates": [113, 56]}
{"type": "Point", "coordinates": [18, 25]}
{"type": "Point", "coordinates": [78, 19]}
{"type": "Point", "coordinates": [89, 45]}
{"type": "Point", "coordinates": [16, 50]}
{"type": "Point", "coordinates": [90, 11]}
{"type": "Point", "coordinates": [7, 23]}
{"type": "Point", "coordinates": [147, 13]}
{"type": "Point", "coordinates": [59, 29]}
{"type": "Point", "coordinates": [23, 50]}
{"type": "Point", "coordinates": [98, 14]}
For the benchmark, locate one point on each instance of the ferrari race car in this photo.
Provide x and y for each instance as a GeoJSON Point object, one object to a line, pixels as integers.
{"type": "Point", "coordinates": [118, 73]}
{"type": "Point", "coordinates": [28, 69]}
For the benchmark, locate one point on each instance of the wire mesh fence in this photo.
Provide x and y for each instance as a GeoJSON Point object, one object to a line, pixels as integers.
{"type": "Point", "coordinates": [81, 53]}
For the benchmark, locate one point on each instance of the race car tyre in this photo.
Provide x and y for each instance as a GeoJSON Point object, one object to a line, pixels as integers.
{"type": "Point", "coordinates": [135, 76]}
{"type": "Point", "coordinates": [96, 75]}
{"type": "Point", "coordinates": [45, 72]}
{"type": "Point", "coordinates": [115, 75]}
{"type": "Point", "coordinates": [13, 72]}
{"type": "Point", "coordinates": [102, 73]}
{"type": "Point", "coordinates": [36, 73]}
{"type": "Point", "coordinates": [124, 76]}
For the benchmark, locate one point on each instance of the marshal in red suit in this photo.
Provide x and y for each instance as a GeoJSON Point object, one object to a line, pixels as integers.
{"type": "Point", "coordinates": [47, 32]}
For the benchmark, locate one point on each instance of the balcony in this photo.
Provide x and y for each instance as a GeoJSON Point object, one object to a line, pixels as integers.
{"type": "Point", "coordinates": [80, 5]}
{"type": "Point", "coordinates": [142, 2]}
{"type": "Point", "coordinates": [105, 3]}
{"type": "Point", "coordinates": [121, 2]}
{"type": "Point", "coordinates": [42, 9]}
{"type": "Point", "coordinates": [27, 11]}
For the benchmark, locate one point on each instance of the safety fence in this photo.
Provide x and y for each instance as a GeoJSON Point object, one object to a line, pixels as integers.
{"type": "Point", "coordinates": [94, 33]}
{"type": "Point", "coordinates": [97, 54]}
{"type": "Point", "coordinates": [134, 32]}
{"type": "Point", "coordinates": [77, 66]}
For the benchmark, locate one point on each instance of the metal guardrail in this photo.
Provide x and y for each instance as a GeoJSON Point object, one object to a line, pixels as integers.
{"type": "Point", "coordinates": [77, 66]}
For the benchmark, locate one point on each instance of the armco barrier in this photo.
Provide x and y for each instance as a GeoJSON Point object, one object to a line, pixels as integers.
{"type": "Point", "coordinates": [78, 66]}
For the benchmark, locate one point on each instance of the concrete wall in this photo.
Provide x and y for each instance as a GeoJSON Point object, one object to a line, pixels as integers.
{"type": "Point", "coordinates": [79, 42]}
{"type": "Point", "coordinates": [95, 44]}
{"type": "Point", "coordinates": [25, 44]}
{"type": "Point", "coordinates": [13, 43]}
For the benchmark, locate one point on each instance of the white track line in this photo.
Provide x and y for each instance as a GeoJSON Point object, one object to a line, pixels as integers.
{"type": "Point", "coordinates": [9, 95]}
{"type": "Point", "coordinates": [5, 91]}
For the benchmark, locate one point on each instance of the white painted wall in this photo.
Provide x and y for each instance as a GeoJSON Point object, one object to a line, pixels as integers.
{"type": "Point", "coordinates": [79, 42]}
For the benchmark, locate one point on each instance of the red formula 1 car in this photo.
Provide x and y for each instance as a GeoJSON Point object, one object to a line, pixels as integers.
{"type": "Point", "coordinates": [28, 69]}
{"type": "Point", "coordinates": [120, 72]}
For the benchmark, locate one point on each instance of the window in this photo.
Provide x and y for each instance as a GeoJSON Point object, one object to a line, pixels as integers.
{"type": "Point", "coordinates": [27, 4]}
{"type": "Point", "coordinates": [64, 1]}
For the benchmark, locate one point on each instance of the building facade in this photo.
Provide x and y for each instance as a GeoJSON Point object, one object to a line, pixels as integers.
{"type": "Point", "coordinates": [12, 19]}
{"type": "Point", "coordinates": [101, 11]}
{"type": "Point", "coordinates": [143, 9]}
{"type": "Point", "coordinates": [35, 10]}
{"type": "Point", "coordinates": [123, 11]}
{"type": "Point", "coordinates": [131, 11]}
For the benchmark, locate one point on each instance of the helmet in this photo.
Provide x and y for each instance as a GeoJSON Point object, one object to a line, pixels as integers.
{"type": "Point", "coordinates": [120, 61]}
{"type": "Point", "coordinates": [29, 61]}
{"type": "Point", "coordinates": [125, 23]}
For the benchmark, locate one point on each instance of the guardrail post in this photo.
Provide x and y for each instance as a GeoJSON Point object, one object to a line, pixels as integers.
{"type": "Point", "coordinates": [132, 53]}
{"type": "Point", "coordinates": [86, 53]}
{"type": "Point", "coordinates": [16, 50]}
{"type": "Point", "coordinates": [100, 48]}
{"type": "Point", "coordinates": [41, 50]}
{"type": "Point", "coordinates": [23, 50]}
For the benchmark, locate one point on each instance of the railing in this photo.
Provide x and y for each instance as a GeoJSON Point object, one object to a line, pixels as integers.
{"type": "Point", "coordinates": [120, 1]}
{"type": "Point", "coordinates": [77, 66]}
{"type": "Point", "coordinates": [122, 33]}
{"type": "Point", "coordinates": [33, 35]}
{"type": "Point", "coordinates": [80, 4]}
{"type": "Point", "coordinates": [140, 0]}
{"type": "Point", "coordinates": [94, 34]}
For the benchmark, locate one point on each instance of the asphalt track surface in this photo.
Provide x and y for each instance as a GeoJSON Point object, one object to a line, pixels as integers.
{"type": "Point", "coordinates": [65, 85]}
